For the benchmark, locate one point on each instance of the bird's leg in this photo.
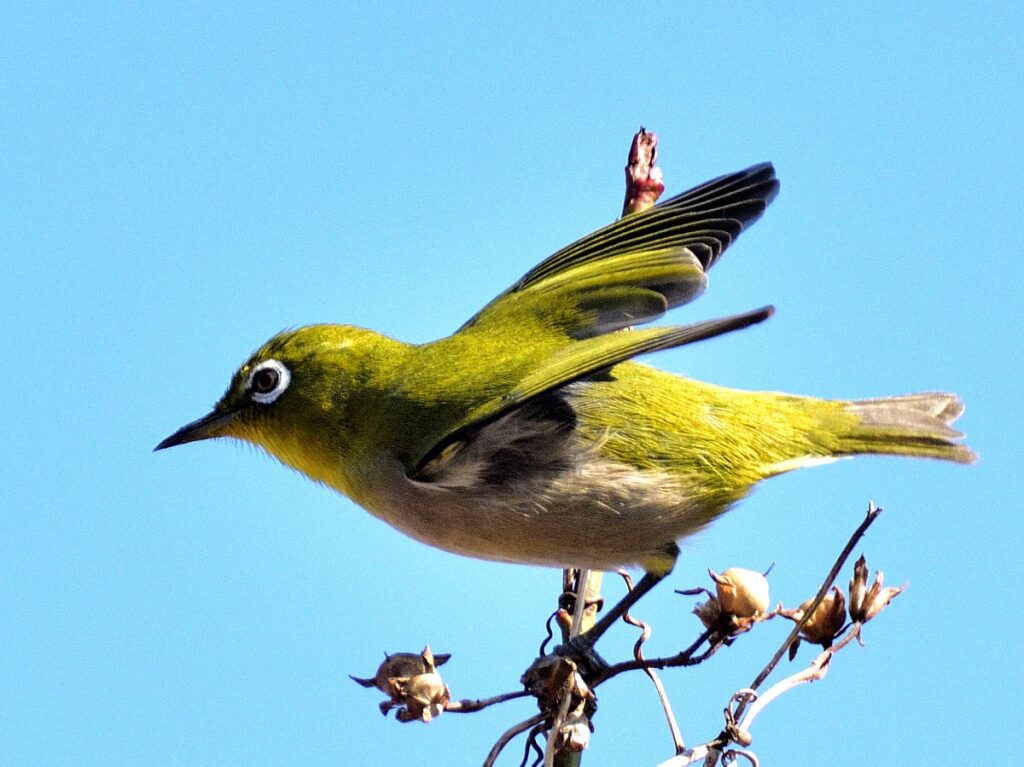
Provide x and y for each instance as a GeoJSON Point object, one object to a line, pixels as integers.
{"type": "Point", "coordinates": [657, 568]}
{"type": "Point", "coordinates": [581, 648]}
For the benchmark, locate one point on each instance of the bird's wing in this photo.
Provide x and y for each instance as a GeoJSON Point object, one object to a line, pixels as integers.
{"type": "Point", "coordinates": [636, 268]}
{"type": "Point", "coordinates": [564, 320]}
{"type": "Point", "coordinates": [577, 361]}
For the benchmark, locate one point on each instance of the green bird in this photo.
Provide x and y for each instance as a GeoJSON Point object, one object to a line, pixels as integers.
{"type": "Point", "coordinates": [529, 435]}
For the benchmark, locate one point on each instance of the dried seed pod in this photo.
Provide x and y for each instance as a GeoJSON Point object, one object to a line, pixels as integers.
{"type": "Point", "coordinates": [412, 685]}
{"type": "Point", "coordinates": [574, 732]}
{"type": "Point", "coordinates": [741, 592]}
{"type": "Point", "coordinates": [878, 598]}
{"type": "Point", "coordinates": [421, 697]}
{"type": "Point", "coordinates": [551, 677]}
{"type": "Point", "coordinates": [710, 612]}
{"type": "Point", "coordinates": [826, 621]}
{"type": "Point", "coordinates": [858, 588]}
{"type": "Point", "coordinates": [402, 664]}
{"type": "Point", "coordinates": [869, 601]}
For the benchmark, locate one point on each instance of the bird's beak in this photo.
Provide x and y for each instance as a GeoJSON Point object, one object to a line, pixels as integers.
{"type": "Point", "coordinates": [214, 424]}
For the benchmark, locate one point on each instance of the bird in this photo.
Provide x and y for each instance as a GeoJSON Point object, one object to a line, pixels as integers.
{"type": "Point", "coordinates": [531, 435]}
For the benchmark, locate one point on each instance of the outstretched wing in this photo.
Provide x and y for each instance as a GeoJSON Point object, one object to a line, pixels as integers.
{"type": "Point", "coordinates": [564, 320]}
{"type": "Point", "coordinates": [636, 268]}
{"type": "Point", "coordinates": [577, 361]}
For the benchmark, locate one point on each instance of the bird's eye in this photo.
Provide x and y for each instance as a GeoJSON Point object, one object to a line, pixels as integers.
{"type": "Point", "coordinates": [267, 381]}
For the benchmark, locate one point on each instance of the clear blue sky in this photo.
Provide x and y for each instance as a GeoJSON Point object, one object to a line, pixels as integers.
{"type": "Point", "coordinates": [178, 183]}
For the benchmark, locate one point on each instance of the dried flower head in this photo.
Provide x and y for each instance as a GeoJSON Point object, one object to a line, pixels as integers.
{"type": "Point", "coordinates": [574, 732]}
{"type": "Point", "coordinates": [865, 602]}
{"type": "Point", "coordinates": [551, 677]}
{"type": "Point", "coordinates": [421, 697]}
{"type": "Point", "coordinates": [826, 621]}
{"type": "Point", "coordinates": [412, 684]}
{"type": "Point", "coordinates": [710, 612]}
{"type": "Point", "coordinates": [858, 588]}
{"type": "Point", "coordinates": [402, 664]}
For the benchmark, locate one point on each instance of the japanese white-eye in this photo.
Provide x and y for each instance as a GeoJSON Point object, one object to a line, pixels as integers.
{"type": "Point", "coordinates": [530, 436]}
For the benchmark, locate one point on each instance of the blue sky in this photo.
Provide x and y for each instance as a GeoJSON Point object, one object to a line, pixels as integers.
{"type": "Point", "coordinates": [180, 182]}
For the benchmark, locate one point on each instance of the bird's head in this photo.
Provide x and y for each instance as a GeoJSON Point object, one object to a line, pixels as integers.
{"type": "Point", "coordinates": [290, 398]}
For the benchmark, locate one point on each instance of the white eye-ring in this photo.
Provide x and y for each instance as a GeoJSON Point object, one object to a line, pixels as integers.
{"type": "Point", "coordinates": [268, 381]}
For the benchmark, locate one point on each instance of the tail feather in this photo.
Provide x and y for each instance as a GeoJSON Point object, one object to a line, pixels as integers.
{"type": "Point", "coordinates": [913, 424]}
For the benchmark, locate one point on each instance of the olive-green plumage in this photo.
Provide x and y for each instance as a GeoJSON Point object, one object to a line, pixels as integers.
{"type": "Point", "coordinates": [529, 435]}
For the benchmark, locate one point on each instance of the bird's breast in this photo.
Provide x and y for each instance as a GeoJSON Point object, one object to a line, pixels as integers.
{"type": "Point", "coordinates": [592, 513]}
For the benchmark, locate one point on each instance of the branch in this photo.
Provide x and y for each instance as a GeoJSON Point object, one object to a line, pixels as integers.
{"type": "Point", "coordinates": [871, 516]}
{"type": "Point", "coordinates": [817, 670]}
{"type": "Point", "coordinates": [644, 185]}
{"type": "Point", "coordinates": [749, 704]}
{"type": "Point", "coordinates": [510, 733]}
{"type": "Point", "coordinates": [468, 706]}
{"type": "Point", "coordinates": [686, 657]}
{"type": "Point", "coordinates": [638, 654]}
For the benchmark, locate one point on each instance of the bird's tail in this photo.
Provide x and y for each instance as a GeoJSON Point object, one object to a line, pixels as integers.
{"type": "Point", "coordinates": [913, 424]}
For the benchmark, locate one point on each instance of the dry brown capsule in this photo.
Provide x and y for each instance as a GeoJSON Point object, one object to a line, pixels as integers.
{"type": "Point", "coordinates": [878, 598]}
{"type": "Point", "coordinates": [858, 588]}
{"type": "Point", "coordinates": [741, 592]}
{"type": "Point", "coordinates": [866, 603]}
{"type": "Point", "coordinates": [710, 612]}
{"type": "Point", "coordinates": [550, 677]}
{"type": "Point", "coordinates": [574, 733]}
{"type": "Point", "coordinates": [401, 664]}
{"type": "Point", "coordinates": [412, 685]}
{"type": "Point", "coordinates": [826, 621]}
{"type": "Point", "coordinates": [422, 696]}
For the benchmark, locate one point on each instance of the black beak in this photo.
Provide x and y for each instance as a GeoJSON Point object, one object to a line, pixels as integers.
{"type": "Point", "coordinates": [209, 426]}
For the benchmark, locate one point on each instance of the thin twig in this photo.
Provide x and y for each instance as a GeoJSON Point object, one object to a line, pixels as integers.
{"type": "Point", "coordinates": [748, 703]}
{"type": "Point", "coordinates": [733, 755]}
{"type": "Point", "coordinates": [683, 658]}
{"type": "Point", "coordinates": [532, 747]}
{"type": "Point", "coordinates": [742, 708]}
{"type": "Point", "coordinates": [871, 516]}
{"type": "Point", "coordinates": [690, 756]}
{"type": "Point", "coordinates": [816, 671]}
{"type": "Point", "coordinates": [638, 654]}
{"type": "Point", "coordinates": [468, 706]}
{"type": "Point", "coordinates": [510, 733]}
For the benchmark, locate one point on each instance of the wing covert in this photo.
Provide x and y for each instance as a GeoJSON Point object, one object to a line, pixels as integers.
{"type": "Point", "coordinates": [665, 250]}
{"type": "Point", "coordinates": [581, 359]}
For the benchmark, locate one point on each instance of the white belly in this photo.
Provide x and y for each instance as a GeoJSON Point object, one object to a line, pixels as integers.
{"type": "Point", "coordinates": [598, 514]}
